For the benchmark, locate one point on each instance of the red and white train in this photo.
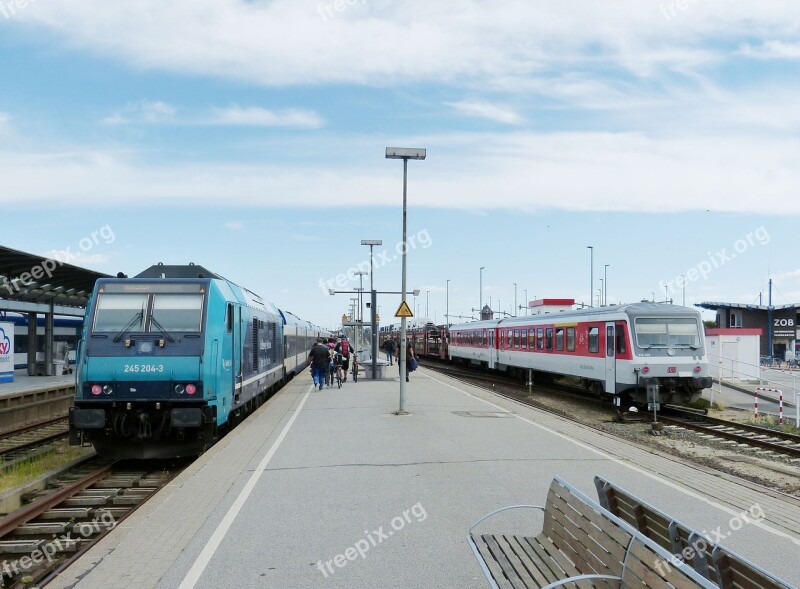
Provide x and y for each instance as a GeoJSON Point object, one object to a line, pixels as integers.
{"type": "Point", "coordinates": [614, 350]}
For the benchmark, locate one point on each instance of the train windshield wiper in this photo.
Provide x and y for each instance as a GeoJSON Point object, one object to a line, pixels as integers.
{"type": "Point", "coordinates": [161, 329]}
{"type": "Point", "coordinates": [138, 317]}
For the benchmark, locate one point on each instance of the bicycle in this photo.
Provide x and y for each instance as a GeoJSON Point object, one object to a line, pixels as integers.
{"type": "Point", "coordinates": [337, 370]}
{"type": "Point", "coordinates": [355, 368]}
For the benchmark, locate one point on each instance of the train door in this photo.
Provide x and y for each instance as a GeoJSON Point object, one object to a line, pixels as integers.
{"type": "Point", "coordinates": [492, 351]}
{"type": "Point", "coordinates": [611, 360]}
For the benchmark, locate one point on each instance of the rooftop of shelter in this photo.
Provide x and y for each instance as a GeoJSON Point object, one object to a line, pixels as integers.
{"type": "Point", "coordinates": [29, 279]}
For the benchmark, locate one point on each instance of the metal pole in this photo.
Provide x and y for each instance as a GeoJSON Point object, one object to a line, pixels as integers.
{"type": "Point", "coordinates": [769, 323]}
{"type": "Point", "coordinates": [403, 332]}
{"type": "Point", "coordinates": [447, 306]}
{"type": "Point", "coordinates": [591, 275]}
{"type": "Point", "coordinates": [374, 322]}
{"type": "Point", "coordinates": [605, 284]}
{"type": "Point", "coordinates": [480, 299]}
{"type": "Point", "coordinates": [527, 304]}
{"type": "Point", "coordinates": [427, 300]}
{"type": "Point", "coordinates": [515, 299]}
{"type": "Point", "coordinates": [684, 289]}
{"type": "Point", "coordinates": [602, 296]}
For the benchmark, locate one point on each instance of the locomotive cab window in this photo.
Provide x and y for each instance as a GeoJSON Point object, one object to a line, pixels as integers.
{"type": "Point", "coordinates": [667, 332]}
{"type": "Point", "coordinates": [116, 312]}
{"type": "Point", "coordinates": [177, 312]}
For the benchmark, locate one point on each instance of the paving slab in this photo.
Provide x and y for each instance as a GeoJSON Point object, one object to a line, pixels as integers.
{"type": "Point", "coordinates": [331, 489]}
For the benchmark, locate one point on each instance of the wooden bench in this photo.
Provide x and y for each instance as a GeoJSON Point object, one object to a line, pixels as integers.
{"type": "Point", "coordinates": [581, 545]}
{"type": "Point", "coordinates": [725, 568]}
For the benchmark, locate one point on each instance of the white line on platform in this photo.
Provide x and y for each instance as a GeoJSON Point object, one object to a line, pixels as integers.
{"type": "Point", "coordinates": [213, 543]}
{"type": "Point", "coordinates": [660, 479]}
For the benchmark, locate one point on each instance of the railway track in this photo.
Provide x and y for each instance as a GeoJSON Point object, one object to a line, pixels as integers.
{"type": "Point", "coordinates": [776, 441]}
{"type": "Point", "coordinates": [61, 523]}
{"type": "Point", "coordinates": [23, 443]}
{"type": "Point", "coordinates": [742, 433]}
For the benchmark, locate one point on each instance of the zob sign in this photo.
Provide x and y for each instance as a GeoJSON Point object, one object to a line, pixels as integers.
{"type": "Point", "coordinates": [6, 352]}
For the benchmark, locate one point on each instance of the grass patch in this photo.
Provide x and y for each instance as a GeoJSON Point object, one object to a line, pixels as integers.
{"type": "Point", "coordinates": [706, 404]}
{"type": "Point", "coordinates": [771, 422]}
{"type": "Point", "coordinates": [27, 470]}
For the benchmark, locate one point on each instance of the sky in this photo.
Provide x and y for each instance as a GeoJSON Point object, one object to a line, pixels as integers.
{"type": "Point", "coordinates": [249, 137]}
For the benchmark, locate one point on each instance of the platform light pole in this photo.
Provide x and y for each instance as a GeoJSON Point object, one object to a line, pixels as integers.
{"type": "Point", "coordinates": [427, 300]}
{"type": "Point", "coordinates": [360, 339]}
{"type": "Point", "coordinates": [591, 275]}
{"type": "Point", "coordinates": [373, 298]}
{"type": "Point", "coordinates": [515, 299]}
{"type": "Point", "coordinates": [605, 284]}
{"type": "Point", "coordinates": [527, 303]}
{"type": "Point", "coordinates": [601, 292]}
{"type": "Point", "coordinates": [405, 154]}
{"type": "Point", "coordinates": [480, 299]}
{"type": "Point", "coordinates": [447, 304]}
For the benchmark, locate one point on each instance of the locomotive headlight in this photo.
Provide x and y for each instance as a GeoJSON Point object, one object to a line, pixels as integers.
{"type": "Point", "coordinates": [191, 389]}
{"type": "Point", "coordinates": [96, 389]}
{"type": "Point", "coordinates": [179, 389]}
{"type": "Point", "coordinates": [108, 389]}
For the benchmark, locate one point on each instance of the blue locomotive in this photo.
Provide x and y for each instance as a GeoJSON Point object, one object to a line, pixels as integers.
{"type": "Point", "coordinates": [171, 358]}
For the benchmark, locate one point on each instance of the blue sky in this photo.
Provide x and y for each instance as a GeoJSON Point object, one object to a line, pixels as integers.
{"type": "Point", "coordinates": [249, 137]}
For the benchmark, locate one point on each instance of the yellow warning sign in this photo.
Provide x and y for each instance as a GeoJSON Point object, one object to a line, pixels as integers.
{"type": "Point", "coordinates": [403, 310]}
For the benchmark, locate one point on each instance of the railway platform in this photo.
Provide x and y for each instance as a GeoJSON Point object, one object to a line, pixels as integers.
{"type": "Point", "coordinates": [331, 489]}
{"type": "Point", "coordinates": [26, 384]}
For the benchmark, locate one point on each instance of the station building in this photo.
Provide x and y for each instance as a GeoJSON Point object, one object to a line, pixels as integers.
{"type": "Point", "coordinates": [781, 321]}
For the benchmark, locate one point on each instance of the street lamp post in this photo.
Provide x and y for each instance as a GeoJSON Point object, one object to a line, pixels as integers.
{"type": "Point", "coordinates": [605, 284]}
{"type": "Point", "coordinates": [373, 297]}
{"type": "Point", "coordinates": [527, 303]}
{"type": "Point", "coordinates": [591, 275]}
{"type": "Point", "coordinates": [601, 291]}
{"type": "Point", "coordinates": [447, 305]}
{"type": "Point", "coordinates": [359, 340]}
{"type": "Point", "coordinates": [404, 154]}
{"type": "Point", "coordinates": [480, 299]}
{"type": "Point", "coordinates": [515, 299]}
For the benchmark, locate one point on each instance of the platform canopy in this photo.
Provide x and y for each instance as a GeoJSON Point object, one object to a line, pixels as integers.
{"type": "Point", "coordinates": [34, 283]}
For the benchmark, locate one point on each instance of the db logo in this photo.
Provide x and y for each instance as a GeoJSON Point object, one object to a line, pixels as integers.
{"type": "Point", "coordinates": [672, 369]}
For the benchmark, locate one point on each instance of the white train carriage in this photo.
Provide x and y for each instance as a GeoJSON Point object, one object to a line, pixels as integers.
{"type": "Point", "coordinates": [611, 350]}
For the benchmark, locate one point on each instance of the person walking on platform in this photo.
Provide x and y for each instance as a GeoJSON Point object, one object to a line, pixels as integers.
{"type": "Point", "coordinates": [411, 359]}
{"type": "Point", "coordinates": [319, 357]}
{"type": "Point", "coordinates": [390, 346]}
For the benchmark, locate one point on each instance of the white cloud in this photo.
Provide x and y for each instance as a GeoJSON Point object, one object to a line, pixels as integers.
{"type": "Point", "coordinates": [143, 111]}
{"type": "Point", "coordinates": [524, 171]}
{"type": "Point", "coordinates": [234, 225]}
{"type": "Point", "coordinates": [771, 50]}
{"type": "Point", "coordinates": [485, 110]}
{"type": "Point", "coordinates": [260, 117]}
{"type": "Point", "coordinates": [286, 42]}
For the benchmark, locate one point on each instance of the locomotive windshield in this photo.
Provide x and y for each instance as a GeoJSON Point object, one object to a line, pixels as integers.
{"type": "Point", "coordinates": [178, 312]}
{"type": "Point", "coordinates": [136, 313]}
{"type": "Point", "coordinates": [116, 312]}
{"type": "Point", "coordinates": [667, 332]}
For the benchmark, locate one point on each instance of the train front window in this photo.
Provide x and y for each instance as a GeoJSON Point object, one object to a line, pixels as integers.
{"type": "Point", "coordinates": [117, 312]}
{"type": "Point", "coordinates": [667, 332]}
{"type": "Point", "coordinates": [177, 312]}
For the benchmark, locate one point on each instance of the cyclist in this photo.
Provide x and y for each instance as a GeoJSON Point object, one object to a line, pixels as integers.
{"type": "Point", "coordinates": [338, 362]}
{"type": "Point", "coordinates": [329, 375]}
{"type": "Point", "coordinates": [345, 349]}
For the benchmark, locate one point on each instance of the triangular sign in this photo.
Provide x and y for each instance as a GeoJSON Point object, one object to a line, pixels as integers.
{"type": "Point", "coordinates": [403, 310]}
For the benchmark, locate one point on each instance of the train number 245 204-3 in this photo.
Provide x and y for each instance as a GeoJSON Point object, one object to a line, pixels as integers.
{"type": "Point", "coordinates": [144, 368]}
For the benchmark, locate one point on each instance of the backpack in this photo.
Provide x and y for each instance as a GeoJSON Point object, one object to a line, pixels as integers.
{"type": "Point", "coordinates": [345, 345]}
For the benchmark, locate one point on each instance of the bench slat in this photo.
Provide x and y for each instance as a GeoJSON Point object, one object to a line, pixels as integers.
{"type": "Point", "coordinates": [735, 574]}
{"type": "Point", "coordinates": [644, 564]}
{"type": "Point", "coordinates": [491, 563]}
{"type": "Point", "coordinates": [541, 573]}
{"type": "Point", "coordinates": [501, 559]}
{"type": "Point", "coordinates": [560, 566]}
{"type": "Point", "coordinates": [518, 560]}
{"type": "Point", "coordinates": [619, 535]}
